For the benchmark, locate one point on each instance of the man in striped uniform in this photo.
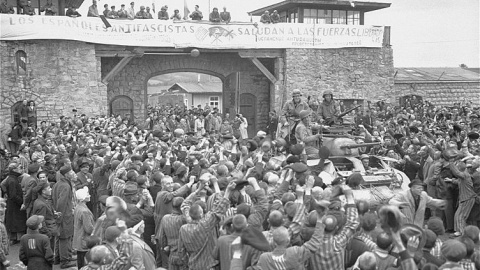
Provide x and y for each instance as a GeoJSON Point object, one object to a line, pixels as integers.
{"type": "Point", "coordinates": [466, 196]}
{"type": "Point", "coordinates": [163, 206]}
{"type": "Point", "coordinates": [284, 257]}
{"type": "Point", "coordinates": [331, 253]}
{"type": "Point", "coordinates": [196, 237]}
{"type": "Point", "coordinates": [168, 234]}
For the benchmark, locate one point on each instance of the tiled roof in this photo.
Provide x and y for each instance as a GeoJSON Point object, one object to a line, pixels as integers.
{"type": "Point", "coordinates": [435, 74]}
{"type": "Point", "coordinates": [199, 87]}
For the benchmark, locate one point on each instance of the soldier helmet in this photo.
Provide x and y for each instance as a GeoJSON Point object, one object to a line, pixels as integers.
{"type": "Point", "coordinates": [296, 93]}
{"type": "Point", "coordinates": [328, 92]}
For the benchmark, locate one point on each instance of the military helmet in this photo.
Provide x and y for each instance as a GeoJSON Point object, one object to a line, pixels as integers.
{"type": "Point", "coordinates": [296, 92]}
{"type": "Point", "coordinates": [328, 92]}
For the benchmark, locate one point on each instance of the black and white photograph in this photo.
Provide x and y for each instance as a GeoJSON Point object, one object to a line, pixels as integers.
{"type": "Point", "coordinates": [240, 135]}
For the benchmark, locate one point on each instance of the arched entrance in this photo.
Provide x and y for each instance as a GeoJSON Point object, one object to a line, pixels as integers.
{"type": "Point", "coordinates": [14, 111]}
{"type": "Point", "coordinates": [189, 89]}
{"type": "Point", "coordinates": [122, 105]}
{"type": "Point", "coordinates": [248, 109]}
{"type": "Point", "coordinates": [132, 80]}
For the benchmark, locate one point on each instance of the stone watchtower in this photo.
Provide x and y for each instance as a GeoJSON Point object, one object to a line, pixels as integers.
{"type": "Point", "coordinates": [352, 74]}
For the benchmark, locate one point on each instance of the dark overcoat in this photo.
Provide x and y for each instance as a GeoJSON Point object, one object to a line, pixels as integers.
{"type": "Point", "coordinates": [15, 219]}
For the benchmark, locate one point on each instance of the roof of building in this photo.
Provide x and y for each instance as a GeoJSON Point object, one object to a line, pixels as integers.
{"type": "Point", "coordinates": [365, 5]}
{"type": "Point", "coordinates": [477, 70]}
{"type": "Point", "coordinates": [198, 88]}
{"type": "Point", "coordinates": [435, 74]}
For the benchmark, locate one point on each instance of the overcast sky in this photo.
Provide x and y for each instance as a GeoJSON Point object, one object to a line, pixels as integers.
{"type": "Point", "coordinates": [425, 33]}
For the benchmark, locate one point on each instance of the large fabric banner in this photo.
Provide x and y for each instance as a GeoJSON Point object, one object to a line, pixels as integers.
{"type": "Point", "coordinates": [157, 33]}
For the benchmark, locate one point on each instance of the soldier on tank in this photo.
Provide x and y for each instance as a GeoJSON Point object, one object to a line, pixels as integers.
{"type": "Point", "coordinates": [328, 110]}
{"type": "Point", "coordinates": [293, 107]}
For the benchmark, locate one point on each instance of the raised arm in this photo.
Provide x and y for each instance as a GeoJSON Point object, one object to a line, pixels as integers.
{"type": "Point", "coordinates": [341, 239]}
{"type": "Point", "coordinates": [261, 207]}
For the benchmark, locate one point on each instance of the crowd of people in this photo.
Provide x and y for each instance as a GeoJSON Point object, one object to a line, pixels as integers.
{"type": "Point", "coordinates": [189, 188]}
{"type": "Point", "coordinates": [145, 12]}
{"type": "Point", "coordinates": [111, 12]}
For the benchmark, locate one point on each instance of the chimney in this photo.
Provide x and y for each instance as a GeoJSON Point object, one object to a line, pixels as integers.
{"type": "Point", "coordinates": [199, 77]}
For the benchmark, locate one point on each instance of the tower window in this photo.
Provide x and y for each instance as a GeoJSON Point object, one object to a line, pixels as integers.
{"type": "Point", "coordinates": [21, 60]}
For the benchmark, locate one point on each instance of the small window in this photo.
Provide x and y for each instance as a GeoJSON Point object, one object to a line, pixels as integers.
{"type": "Point", "coordinates": [324, 16]}
{"type": "Point", "coordinates": [21, 61]}
{"type": "Point", "coordinates": [353, 17]}
{"type": "Point", "coordinates": [339, 17]}
{"type": "Point", "coordinates": [214, 102]}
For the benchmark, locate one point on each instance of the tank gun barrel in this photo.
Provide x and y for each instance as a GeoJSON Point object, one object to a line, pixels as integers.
{"type": "Point", "coordinates": [357, 145]}
{"type": "Point", "coordinates": [348, 111]}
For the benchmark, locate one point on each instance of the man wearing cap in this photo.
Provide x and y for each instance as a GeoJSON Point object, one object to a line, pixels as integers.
{"type": "Point", "coordinates": [365, 161]}
{"type": "Point", "coordinates": [122, 13]}
{"type": "Point", "coordinates": [413, 202]}
{"type": "Point", "coordinates": [62, 197]}
{"type": "Point", "coordinates": [35, 251]}
{"type": "Point", "coordinates": [84, 178]}
{"type": "Point", "coordinates": [42, 207]}
{"type": "Point", "coordinates": [163, 14]}
{"type": "Point", "coordinates": [30, 182]}
{"type": "Point", "coordinates": [328, 109]}
{"type": "Point", "coordinates": [293, 107]}
{"type": "Point", "coordinates": [303, 134]}
{"type": "Point", "coordinates": [197, 16]}
{"type": "Point", "coordinates": [453, 251]}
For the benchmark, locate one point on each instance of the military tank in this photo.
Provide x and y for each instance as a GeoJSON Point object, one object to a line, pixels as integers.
{"type": "Point", "coordinates": [340, 156]}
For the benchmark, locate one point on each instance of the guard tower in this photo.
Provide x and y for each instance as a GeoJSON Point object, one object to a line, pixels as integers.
{"type": "Point", "coordinates": [322, 11]}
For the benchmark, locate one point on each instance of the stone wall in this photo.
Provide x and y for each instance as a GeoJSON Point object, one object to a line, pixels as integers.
{"type": "Point", "coordinates": [440, 93]}
{"type": "Point", "coordinates": [132, 80]}
{"type": "Point", "coordinates": [61, 75]}
{"type": "Point", "coordinates": [350, 73]}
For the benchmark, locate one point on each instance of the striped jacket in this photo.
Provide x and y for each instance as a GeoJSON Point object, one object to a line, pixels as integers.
{"type": "Point", "coordinates": [293, 257]}
{"type": "Point", "coordinates": [331, 254]}
{"type": "Point", "coordinates": [198, 239]}
{"type": "Point", "coordinates": [125, 250]}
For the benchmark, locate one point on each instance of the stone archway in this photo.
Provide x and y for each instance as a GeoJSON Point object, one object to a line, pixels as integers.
{"type": "Point", "coordinates": [122, 105]}
{"type": "Point", "coordinates": [132, 80]}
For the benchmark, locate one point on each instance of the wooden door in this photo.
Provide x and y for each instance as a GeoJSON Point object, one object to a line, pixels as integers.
{"type": "Point", "coordinates": [122, 105]}
{"type": "Point", "coordinates": [248, 108]}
